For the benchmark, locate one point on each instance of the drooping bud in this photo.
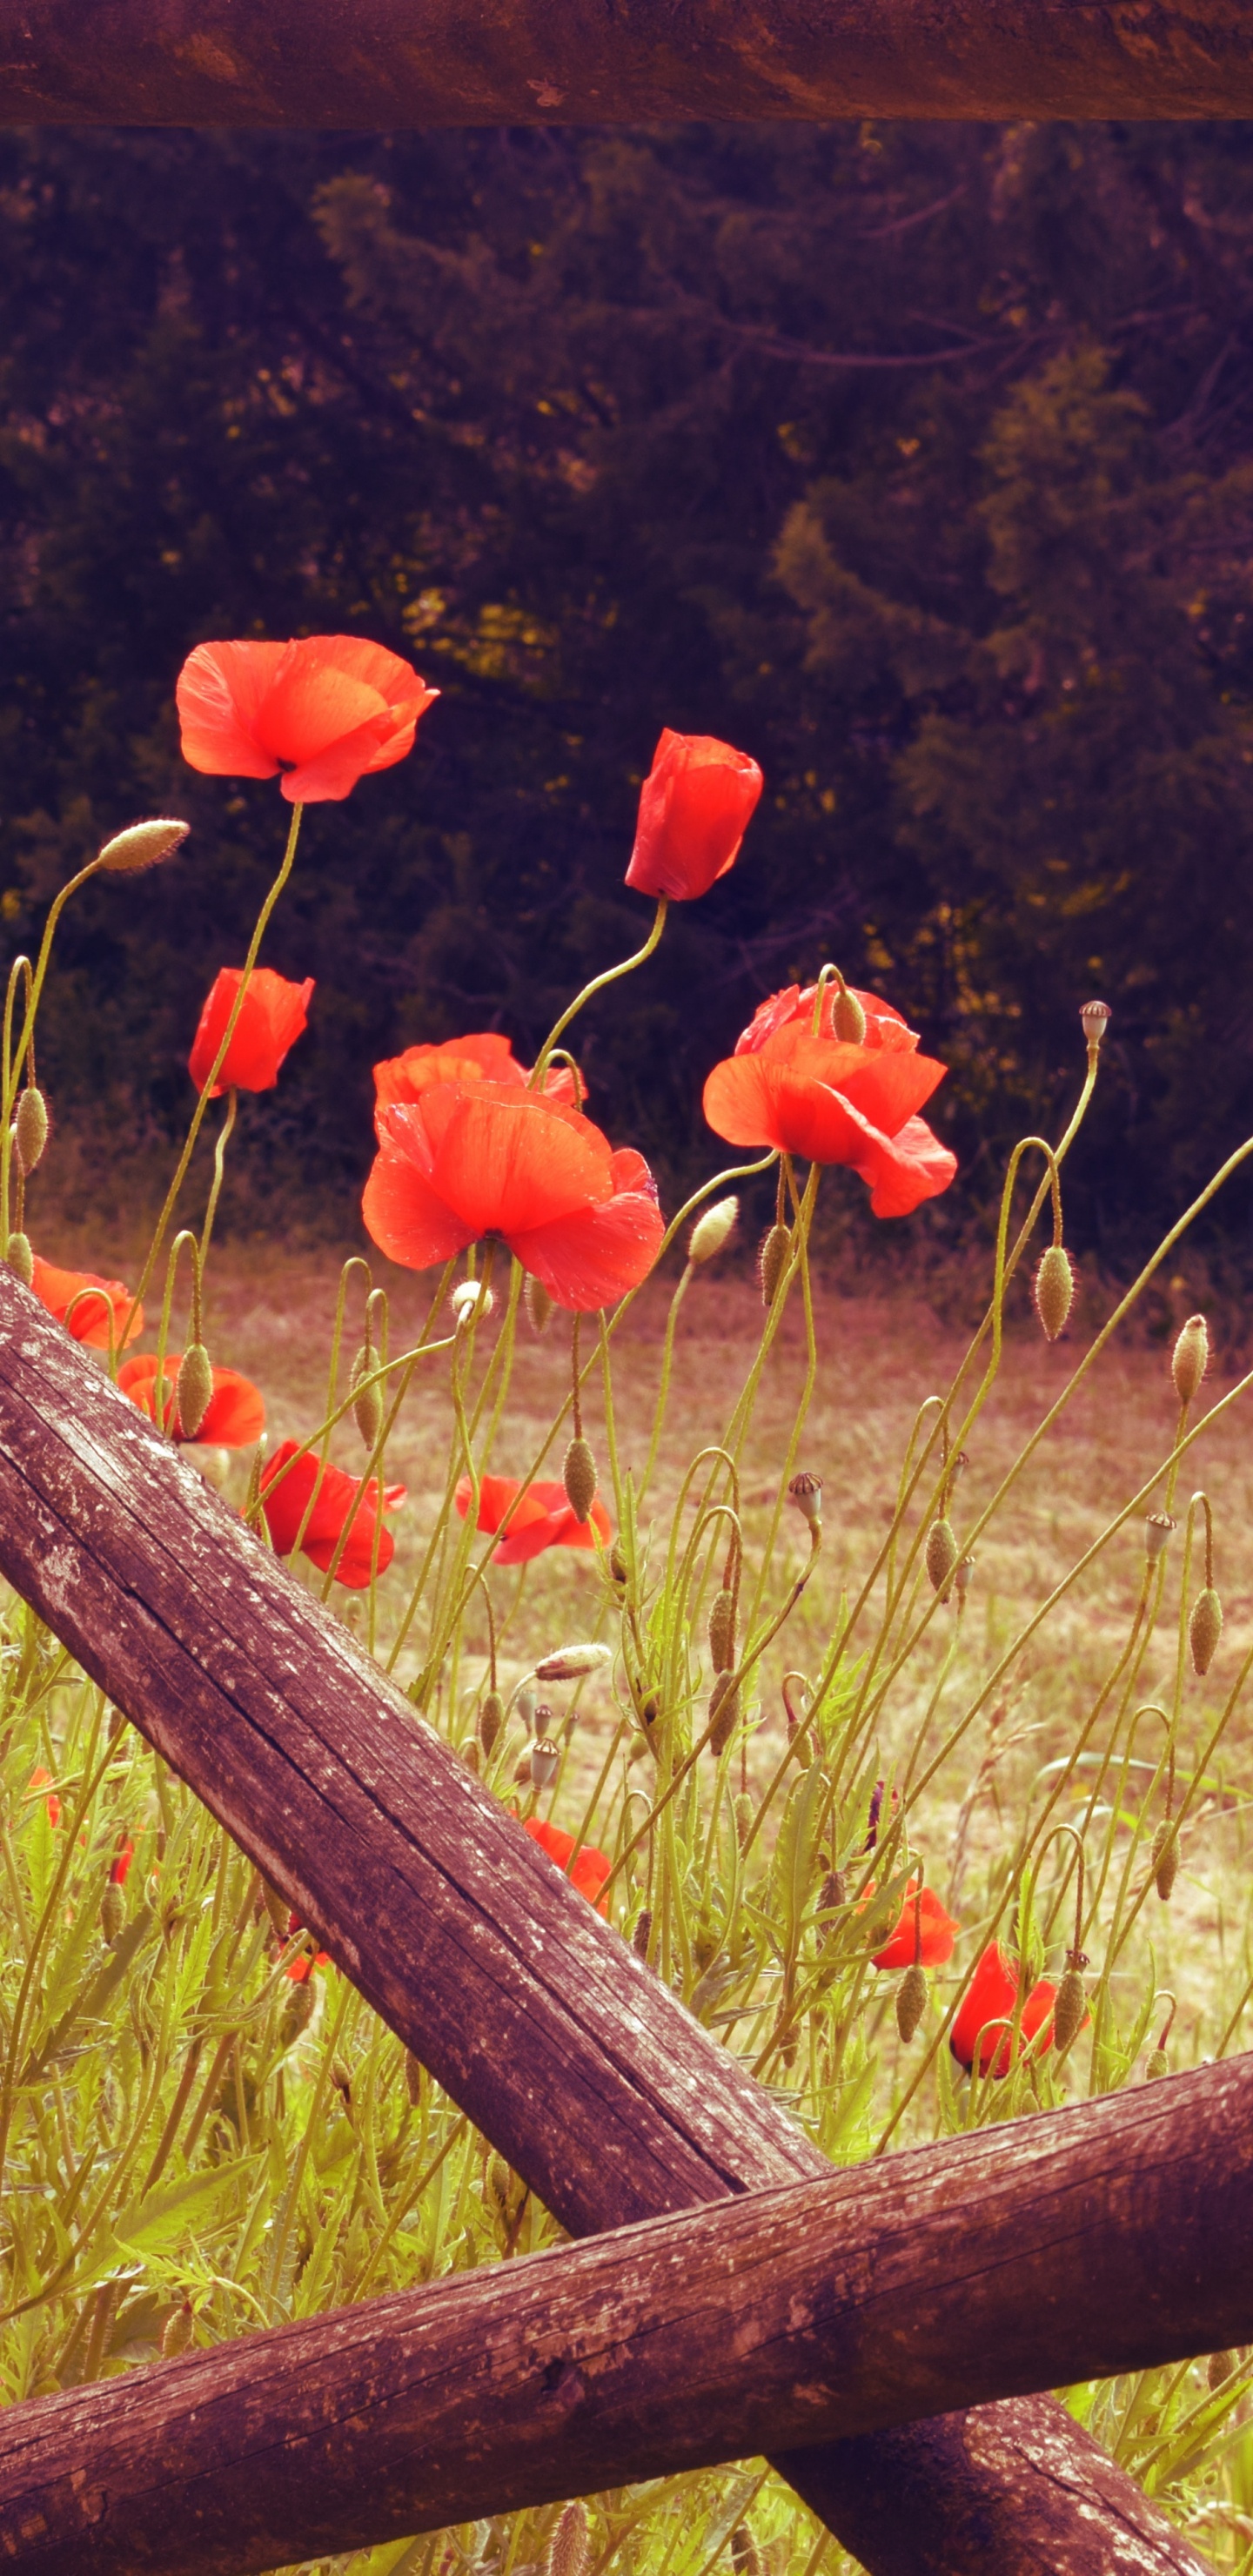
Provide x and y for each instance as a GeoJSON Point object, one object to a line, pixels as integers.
{"type": "Point", "coordinates": [112, 1910]}
{"type": "Point", "coordinates": [30, 1127]}
{"type": "Point", "coordinates": [941, 1556]}
{"type": "Point", "coordinates": [619, 1570]}
{"type": "Point", "coordinates": [298, 2011]}
{"type": "Point", "coordinates": [833, 1891]}
{"type": "Point", "coordinates": [195, 1388]}
{"type": "Point", "coordinates": [1156, 2064]}
{"type": "Point", "coordinates": [177, 2332]}
{"type": "Point", "coordinates": [341, 2078]}
{"type": "Point", "coordinates": [911, 2001]}
{"type": "Point", "coordinates": [772, 1261]}
{"type": "Point", "coordinates": [805, 1491]}
{"type": "Point", "coordinates": [1157, 1530]}
{"type": "Point", "coordinates": [1189, 1359]}
{"type": "Point", "coordinates": [1218, 2368]}
{"type": "Point", "coordinates": [724, 1708]}
{"type": "Point", "coordinates": [569, 2550]}
{"type": "Point", "coordinates": [1205, 1628]}
{"type": "Point", "coordinates": [1071, 2004]}
{"type": "Point", "coordinates": [1165, 1859]}
{"type": "Point", "coordinates": [578, 1475]}
{"type": "Point", "coordinates": [712, 1230]}
{"type": "Point", "coordinates": [538, 1303]}
{"type": "Point", "coordinates": [20, 1258]}
{"type": "Point", "coordinates": [491, 1720]}
{"type": "Point", "coordinates": [1094, 1019]}
{"type": "Point", "coordinates": [963, 1576]}
{"type": "Point", "coordinates": [545, 1756]}
{"type": "Point", "coordinates": [744, 2558]}
{"type": "Point", "coordinates": [277, 1908]}
{"type": "Point", "coordinates": [471, 1754]}
{"type": "Point", "coordinates": [143, 845]}
{"type": "Point", "coordinates": [848, 1020]}
{"type": "Point", "coordinates": [497, 2187]}
{"type": "Point", "coordinates": [743, 1812]}
{"type": "Point", "coordinates": [722, 1632]}
{"type": "Point", "coordinates": [571, 1663]}
{"type": "Point", "coordinates": [367, 1409]}
{"type": "Point", "coordinates": [642, 1934]}
{"type": "Point", "coordinates": [1054, 1289]}
{"type": "Point", "coordinates": [470, 1299]}
{"type": "Point", "coordinates": [415, 2078]}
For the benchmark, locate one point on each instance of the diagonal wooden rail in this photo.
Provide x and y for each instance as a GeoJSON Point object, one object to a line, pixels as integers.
{"type": "Point", "coordinates": [587, 2075]}
{"type": "Point", "coordinates": [1079, 2244]}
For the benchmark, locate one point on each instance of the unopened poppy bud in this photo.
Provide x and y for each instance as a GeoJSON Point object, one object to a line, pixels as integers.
{"type": "Point", "coordinates": [524, 1702]}
{"type": "Point", "coordinates": [772, 1261]}
{"type": "Point", "coordinates": [643, 1932]}
{"type": "Point", "coordinates": [30, 1127]}
{"type": "Point", "coordinates": [471, 1754]}
{"type": "Point", "coordinates": [724, 1708]}
{"type": "Point", "coordinates": [297, 2011]}
{"type": "Point", "coordinates": [619, 1570]}
{"type": "Point", "coordinates": [722, 1631]}
{"type": "Point", "coordinates": [341, 2078]}
{"type": "Point", "coordinates": [195, 1388]}
{"type": "Point", "coordinates": [578, 1475]}
{"type": "Point", "coordinates": [491, 1720]}
{"type": "Point", "coordinates": [848, 1020]}
{"type": "Point", "coordinates": [1165, 1860]}
{"type": "Point", "coordinates": [1053, 1289]}
{"type": "Point", "coordinates": [143, 845]}
{"type": "Point", "coordinates": [1205, 1627]}
{"type": "Point", "coordinates": [571, 1663]}
{"type": "Point", "coordinates": [569, 2550]}
{"type": "Point", "coordinates": [1071, 2005]}
{"type": "Point", "coordinates": [469, 1299]}
{"type": "Point", "coordinates": [1157, 2064]}
{"type": "Point", "coordinates": [1094, 1019]}
{"type": "Point", "coordinates": [1189, 1359]}
{"type": "Point", "coordinates": [20, 1258]}
{"type": "Point", "coordinates": [538, 1303]}
{"type": "Point", "coordinates": [1218, 2368]}
{"type": "Point", "coordinates": [177, 2332]}
{"type": "Point", "coordinates": [941, 1556]}
{"type": "Point", "coordinates": [832, 1892]}
{"type": "Point", "coordinates": [415, 2078]}
{"type": "Point", "coordinates": [496, 2182]}
{"type": "Point", "coordinates": [805, 1491]}
{"type": "Point", "coordinates": [744, 2557]}
{"type": "Point", "coordinates": [712, 1230]}
{"type": "Point", "coordinates": [1157, 1530]}
{"type": "Point", "coordinates": [112, 1910]}
{"type": "Point", "coordinates": [963, 1575]}
{"type": "Point", "coordinates": [743, 1812]}
{"type": "Point", "coordinates": [911, 2001]}
{"type": "Point", "coordinates": [545, 1756]}
{"type": "Point", "coordinates": [276, 1907]}
{"type": "Point", "coordinates": [367, 1408]}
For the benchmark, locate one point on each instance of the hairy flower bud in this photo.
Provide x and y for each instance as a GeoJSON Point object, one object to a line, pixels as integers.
{"type": "Point", "coordinates": [643, 1932]}
{"type": "Point", "coordinates": [545, 1756]}
{"type": "Point", "coordinates": [1205, 1628]}
{"type": "Point", "coordinates": [1157, 2063]}
{"type": "Point", "coordinates": [20, 1258]}
{"type": "Point", "coordinates": [772, 1261]}
{"type": "Point", "coordinates": [1070, 2007]}
{"type": "Point", "coordinates": [538, 1303]}
{"type": "Point", "coordinates": [911, 2001]}
{"type": "Point", "coordinates": [941, 1556]}
{"type": "Point", "coordinates": [491, 1720]}
{"type": "Point", "coordinates": [569, 2550]}
{"type": "Point", "coordinates": [30, 1127]}
{"type": "Point", "coordinates": [195, 1388]}
{"type": "Point", "coordinates": [724, 1709]}
{"type": "Point", "coordinates": [1094, 1019]}
{"type": "Point", "coordinates": [1053, 1289]}
{"type": "Point", "coordinates": [1165, 1862]}
{"type": "Point", "coordinates": [744, 2558]}
{"type": "Point", "coordinates": [743, 1812]}
{"type": "Point", "coordinates": [112, 1910]}
{"type": "Point", "coordinates": [1189, 1359]}
{"type": "Point", "coordinates": [470, 1299]}
{"type": "Point", "coordinates": [722, 1632]}
{"type": "Point", "coordinates": [415, 2078]}
{"type": "Point", "coordinates": [177, 2332]}
{"type": "Point", "coordinates": [1157, 1529]}
{"type": "Point", "coordinates": [833, 1892]}
{"type": "Point", "coordinates": [297, 2011]}
{"type": "Point", "coordinates": [712, 1230]}
{"type": "Point", "coordinates": [1218, 2368]}
{"type": "Point", "coordinates": [963, 1576]}
{"type": "Point", "coordinates": [578, 1475]}
{"type": "Point", "coordinates": [848, 1020]}
{"type": "Point", "coordinates": [367, 1409]}
{"type": "Point", "coordinates": [571, 1663]}
{"type": "Point", "coordinates": [143, 845]}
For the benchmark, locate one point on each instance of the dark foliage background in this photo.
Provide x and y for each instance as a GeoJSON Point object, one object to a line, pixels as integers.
{"type": "Point", "coordinates": [912, 459]}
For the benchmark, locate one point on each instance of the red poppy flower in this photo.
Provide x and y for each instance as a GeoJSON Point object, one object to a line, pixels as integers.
{"type": "Point", "coordinates": [274, 1015]}
{"type": "Point", "coordinates": [121, 1866]}
{"type": "Point", "coordinates": [590, 1870]}
{"type": "Point", "coordinates": [42, 1779]}
{"type": "Point", "coordinates": [541, 1518]}
{"type": "Point", "coordinates": [306, 1960]}
{"type": "Point", "coordinates": [325, 708]}
{"type": "Point", "coordinates": [467, 1159]}
{"type": "Point", "coordinates": [335, 1494]}
{"type": "Point", "coordinates": [939, 1932]}
{"type": "Point", "coordinates": [485, 1056]}
{"type": "Point", "coordinates": [835, 1102]}
{"type": "Point", "coordinates": [236, 1415]}
{"type": "Point", "coordinates": [695, 806]}
{"type": "Point", "coordinates": [983, 2019]}
{"type": "Point", "coordinates": [57, 1290]}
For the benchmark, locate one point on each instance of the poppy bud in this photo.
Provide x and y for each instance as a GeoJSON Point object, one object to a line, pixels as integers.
{"type": "Point", "coordinates": [538, 1303]}
{"type": "Point", "coordinates": [470, 1299]}
{"type": "Point", "coordinates": [772, 1261]}
{"type": "Point", "coordinates": [619, 1570]}
{"type": "Point", "coordinates": [1189, 1359]}
{"type": "Point", "coordinates": [1053, 1289]}
{"type": "Point", "coordinates": [571, 1663]}
{"type": "Point", "coordinates": [569, 2550]}
{"type": "Point", "coordinates": [1165, 1859]}
{"type": "Point", "coordinates": [1205, 1627]}
{"type": "Point", "coordinates": [297, 2011]}
{"type": "Point", "coordinates": [496, 2181]}
{"type": "Point", "coordinates": [491, 1720]}
{"type": "Point", "coordinates": [848, 1020]}
{"type": "Point", "coordinates": [277, 1908]}
{"type": "Point", "coordinates": [578, 1475]}
{"type": "Point", "coordinates": [545, 1756]}
{"type": "Point", "coordinates": [724, 1708]}
{"type": "Point", "coordinates": [941, 1556]}
{"type": "Point", "coordinates": [642, 1934]}
{"type": "Point", "coordinates": [805, 1491]}
{"type": "Point", "coordinates": [524, 1702]}
{"type": "Point", "coordinates": [471, 1755]}
{"type": "Point", "coordinates": [1218, 2368]}
{"type": "Point", "coordinates": [722, 1632]}
{"type": "Point", "coordinates": [1157, 1529]}
{"type": "Point", "coordinates": [195, 1388]}
{"type": "Point", "coordinates": [177, 2332]}
{"type": "Point", "coordinates": [911, 2001]}
{"type": "Point", "coordinates": [712, 1230]}
{"type": "Point", "coordinates": [415, 2078]}
{"type": "Point", "coordinates": [20, 1258]}
{"type": "Point", "coordinates": [142, 845]}
{"type": "Point", "coordinates": [1094, 1019]}
{"type": "Point", "coordinates": [1071, 2004]}
{"type": "Point", "coordinates": [112, 1909]}
{"type": "Point", "coordinates": [743, 1812]}
{"type": "Point", "coordinates": [744, 2558]}
{"type": "Point", "coordinates": [963, 1573]}
{"type": "Point", "coordinates": [30, 1127]}
{"type": "Point", "coordinates": [832, 1892]}
{"type": "Point", "coordinates": [367, 1407]}
{"type": "Point", "coordinates": [1158, 2064]}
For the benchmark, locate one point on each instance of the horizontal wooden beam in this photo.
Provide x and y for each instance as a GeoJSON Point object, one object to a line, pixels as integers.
{"type": "Point", "coordinates": [1107, 2238]}
{"type": "Point", "coordinates": [388, 63]}
{"type": "Point", "coordinates": [586, 2073]}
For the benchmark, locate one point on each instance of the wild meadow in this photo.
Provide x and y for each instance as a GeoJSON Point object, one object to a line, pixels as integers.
{"type": "Point", "coordinates": [871, 1648]}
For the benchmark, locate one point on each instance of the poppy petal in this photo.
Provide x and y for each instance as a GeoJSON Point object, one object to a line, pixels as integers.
{"type": "Point", "coordinates": [509, 1162]}
{"type": "Point", "coordinates": [405, 1215]}
{"type": "Point", "coordinates": [221, 691]}
{"type": "Point", "coordinates": [597, 1256]}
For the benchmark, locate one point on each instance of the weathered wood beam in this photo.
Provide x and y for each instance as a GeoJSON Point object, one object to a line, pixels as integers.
{"type": "Point", "coordinates": [584, 2071]}
{"type": "Point", "coordinates": [389, 63]}
{"type": "Point", "coordinates": [1106, 2238]}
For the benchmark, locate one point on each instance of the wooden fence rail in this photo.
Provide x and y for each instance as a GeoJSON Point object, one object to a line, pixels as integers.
{"type": "Point", "coordinates": [584, 2071]}
{"type": "Point", "coordinates": [1081, 2243]}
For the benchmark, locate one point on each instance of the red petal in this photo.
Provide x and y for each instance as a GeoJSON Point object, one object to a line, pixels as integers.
{"type": "Point", "coordinates": [221, 690]}
{"type": "Point", "coordinates": [403, 1213]}
{"type": "Point", "coordinates": [906, 1169]}
{"type": "Point", "coordinates": [508, 1162]}
{"type": "Point", "coordinates": [598, 1256]}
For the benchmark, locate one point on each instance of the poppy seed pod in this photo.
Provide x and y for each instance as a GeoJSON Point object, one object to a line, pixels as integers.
{"type": "Point", "coordinates": [911, 2001]}
{"type": "Point", "coordinates": [1157, 1530]}
{"type": "Point", "coordinates": [848, 1019]}
{"type": "Point", "coordinates": [642, 1934]}
{"type": "Point", "coordinates": [805, 1491]}
{"type": "Point", "coordinates": [1054, 1289]}
{"type": "Point", "coordinates": [142, 845]}
{"type": "Point", "coordinates": [1069, 2009]}
{"type": "Point", "coordinates": [772, 1261]}
{"type": "Point", "coordinates": [941, 1556]}
{"type": "Point", "coordinates": [722, 1632]}
{"type": "Point", "coordinates": [1205, 1628]}
{"type": "Point", "coordinates": [569, 2550]}
{"type": "Point", "coordinates": [545, 1756]}
{"type": "Point", "coordinates": [712, 1230]}
{"type": "Point", "coordinates": [177, 2332]}
{"type": "Point", "coordinates": [112, 1909]}
{"type": "Point", "coordinates": [572, 1663]}
{"type": "Point", "coordinates": [20, 1258]}
{"type": "Point", "coordinates": [367, 1408]}
{"type": "Point", "coordinates": [1165, 1863]}
{"type": "Point", "coordinates": [30, 1127]}
{"type": "Point", "coordinates": [724, 1708]}
{"type": "Point", "coordinates": [1094, 1019]}
{"type": "Point", "coordinates": [194, 1388]}
{"type": "Point", "coordinates": [1189, 1359]}
{"type": "Point", "coordinates": [538, 1303]}
{"type": "Point", "coordinates": [578, 1475]}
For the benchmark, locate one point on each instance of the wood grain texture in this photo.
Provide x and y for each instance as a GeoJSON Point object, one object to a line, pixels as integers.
{"type": "Point", "coordinates": [1082, 2243]}
{"type": "Point", "coordinates": [584, 2071]}
{"type": "Point", "coordinates": [389, 63]}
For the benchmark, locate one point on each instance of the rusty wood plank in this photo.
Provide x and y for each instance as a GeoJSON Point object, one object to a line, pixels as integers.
{"type": "Point", "coordinates": [589, 2076]}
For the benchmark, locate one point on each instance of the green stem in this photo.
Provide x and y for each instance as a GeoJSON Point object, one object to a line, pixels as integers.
{"type": "Point", "coordinates": [612, 975]}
